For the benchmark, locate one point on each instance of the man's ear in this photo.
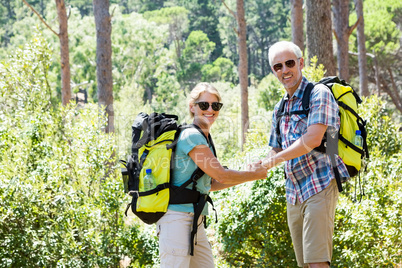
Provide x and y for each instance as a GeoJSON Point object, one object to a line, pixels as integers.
{"type": "Point", "coordinates": [301, 62]}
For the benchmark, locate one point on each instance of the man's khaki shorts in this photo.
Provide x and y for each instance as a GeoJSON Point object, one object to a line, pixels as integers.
{"type": "Point", "coordinates": [311, 226]}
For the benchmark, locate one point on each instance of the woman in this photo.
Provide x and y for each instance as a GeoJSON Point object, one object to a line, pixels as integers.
{"type": "Point", "coordinates": [194, 150]}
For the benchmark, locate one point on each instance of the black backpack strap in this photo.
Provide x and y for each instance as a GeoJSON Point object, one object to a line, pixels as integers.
{"type": "Point", "coordinates": [198, 208]}
{"type": "Point", "coordinates": [306, 98]}
{"type": "Point", "coordinates": [305, 109]}
{"type": "Point", "coordinates": [136, 131]}
{"type": "Point", "coordinates": [181, 194]}
{"type": "Point", "coordinates": [198, 173]}
{"type": "Point", "coordinates": [336, 172]}
{"type": "Point", "coordinates": [279, 114]}
{"type": "Point", "coordinates": [197, 213]}
{"type": "Point", "coordinates": [332, 150]}
{"type": "Point", "coordinates": [176, 191]}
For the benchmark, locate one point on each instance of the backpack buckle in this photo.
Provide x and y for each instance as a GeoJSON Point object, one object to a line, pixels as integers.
{"type": "Point", "coordinates": [132, 193]}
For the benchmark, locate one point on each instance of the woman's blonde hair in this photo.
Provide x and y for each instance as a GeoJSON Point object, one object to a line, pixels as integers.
{"type": "Point", "coordinates": [196, 93]}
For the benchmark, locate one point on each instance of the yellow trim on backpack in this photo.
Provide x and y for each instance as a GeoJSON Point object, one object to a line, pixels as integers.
{"type": "Point", "coordinates": [158, 160]}
{"type": "Point", "coordinates": [348, 125]}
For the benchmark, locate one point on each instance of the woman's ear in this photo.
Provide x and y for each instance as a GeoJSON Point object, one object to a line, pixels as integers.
{"type": "Point", "coordinates": [192, 107]}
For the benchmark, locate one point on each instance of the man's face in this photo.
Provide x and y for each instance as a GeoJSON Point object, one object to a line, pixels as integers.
{"type": "Point", "coordinates": [288, 69]}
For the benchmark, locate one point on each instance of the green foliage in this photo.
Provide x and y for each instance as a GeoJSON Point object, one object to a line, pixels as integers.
{"type": "Point", "coordinates": [226, 131]}
{"type": "Point", "coordinates": [203, 16]}
{"type": "Point", "coordinates": [196, 53]}
{"type": "Point", "coordinates": [253, 231]}
{"type": "Point", "coordinates": [83, 56]}
{"type": "Point", "coordinates": [221, 69]}
{"type": "Point", "coordinates": [169, 15]}
{"type": "Point", "coordinates": [380, 26]}
{"type": "Point", "coordinates": [177, 19]}
{"type": "Point", "coordinates": [313, 72]}
{"type": "Point", "coordinates": [270, 92]}
{"type": "Point", "coordinates": [267, 22]}
{"type": "Point", "coordinates": [371, 228]}
{"type": "Point", "coordinates": [140, 244]}
{"type": "Point", "coordinates": [61, 198]}
{"type": "Point", "coordinates": [198, 47]}
{"type": "Point", "coordinates": [60, 195]}
{"type": "Point", "coordinates": [383, 135]}
{"type": "Point", "coordinates": [142, 60]}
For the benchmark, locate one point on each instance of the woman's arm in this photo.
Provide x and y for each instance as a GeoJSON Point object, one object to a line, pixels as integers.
{"type": "Point", "coordinates": [207, 162]}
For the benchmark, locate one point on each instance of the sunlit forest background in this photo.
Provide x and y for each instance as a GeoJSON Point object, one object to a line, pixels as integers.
{"type": "Point", "coordinates": [61, 193]}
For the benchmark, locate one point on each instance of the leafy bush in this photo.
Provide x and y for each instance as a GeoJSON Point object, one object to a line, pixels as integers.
{"type": "Point", "coordinates": [252, 229]}
{"type": "Point", "coordinates": [270, 92]}
{"type": "Point", "coordinates": [368, 233]}
{"type": "Point", "coordinates": [60, 195]}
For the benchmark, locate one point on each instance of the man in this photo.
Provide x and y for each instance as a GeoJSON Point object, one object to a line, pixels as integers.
{"type": "Point", "coordinates": [311, 190]}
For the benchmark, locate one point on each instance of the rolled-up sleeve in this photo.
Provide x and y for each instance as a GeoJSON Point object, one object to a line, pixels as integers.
{"type": "Point", "coordinates": [323, 109]}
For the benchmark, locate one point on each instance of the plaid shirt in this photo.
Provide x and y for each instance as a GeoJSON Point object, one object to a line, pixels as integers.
{"type": "Point", "coordinates": [311, 173]}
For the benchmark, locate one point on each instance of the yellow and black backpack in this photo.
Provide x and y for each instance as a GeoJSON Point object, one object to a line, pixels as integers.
{"type": "Point", "coordinates": [154, 140]}
{"type": "Point", "coordinates": [348, 101]}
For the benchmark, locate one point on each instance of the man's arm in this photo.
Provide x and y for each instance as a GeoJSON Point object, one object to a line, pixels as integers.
{"type": "Point", "coordinates": [272, 153]}
{"type": "Point", "coordinates": [302, 146]}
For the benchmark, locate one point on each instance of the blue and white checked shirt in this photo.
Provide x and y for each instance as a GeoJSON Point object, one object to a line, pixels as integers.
{"type": "Point", "coordinates": [311, 173]}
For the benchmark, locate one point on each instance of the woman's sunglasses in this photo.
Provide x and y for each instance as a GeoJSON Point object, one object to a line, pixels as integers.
{"type": "Point", "coordinates": [288, 63]}
{"type": "Point", "coordinates": [216, 106]}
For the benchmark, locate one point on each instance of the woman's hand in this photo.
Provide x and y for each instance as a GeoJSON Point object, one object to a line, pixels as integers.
{"type": "Point", "coordinates": [259, 170]}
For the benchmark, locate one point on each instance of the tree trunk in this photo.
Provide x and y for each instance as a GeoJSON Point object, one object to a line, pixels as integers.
{"type": "Point", "coordinates": [104, 59]}
{"type": "Point", "coordinates": [243, 69]}
{"type": "Point", "coordinates": [64, 52]}
{"type": "Point", "coordinates": [297, 23]}
{"type": "Point", "coordinates": [341, 18]}
{"type": "Point", "coordinates": [393, 93]}
{"type": "Point", "coordinates": [361, 40]}
{"type": "Point", "coordinates": [319, 33]}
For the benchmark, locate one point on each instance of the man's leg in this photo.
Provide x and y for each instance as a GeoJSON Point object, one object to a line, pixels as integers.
{"type": "Point", "coordinates": [318, 226]}
{"type": "Point", "coordinates": [295, 223]}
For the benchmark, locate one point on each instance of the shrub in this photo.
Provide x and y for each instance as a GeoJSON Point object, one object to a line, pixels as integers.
{"type": "Point", "coordinates": [60, 196]}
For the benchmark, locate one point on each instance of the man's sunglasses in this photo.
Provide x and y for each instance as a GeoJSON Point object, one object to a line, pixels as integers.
{"type": "Point", "coordinates": [216, 106]}
{"type": "Point", "coordinates": [288, 63]}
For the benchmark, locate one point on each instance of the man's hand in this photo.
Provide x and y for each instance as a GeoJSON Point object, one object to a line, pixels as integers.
{"type": "Point", "coordinates": [259, 170]}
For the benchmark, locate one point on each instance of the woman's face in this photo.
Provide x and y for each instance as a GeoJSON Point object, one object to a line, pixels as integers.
{"type": "Point", "coordinates": [204, 117]}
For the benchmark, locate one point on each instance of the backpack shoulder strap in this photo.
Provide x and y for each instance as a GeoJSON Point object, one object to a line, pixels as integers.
{"type": "Point", "coordinates": [306, 97]}
{"type": "Point", "coordinates": [280, 113]}
{"type": "Point", "coordinates": [198, 173]}
{"type": "Point", "coordinates": [305, 108]}
{"type": "Point", "coordinates": [209, 139]}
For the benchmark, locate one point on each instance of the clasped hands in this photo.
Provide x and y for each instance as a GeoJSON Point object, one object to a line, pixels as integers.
{"type": "Point", "coordinates": [260, 167]}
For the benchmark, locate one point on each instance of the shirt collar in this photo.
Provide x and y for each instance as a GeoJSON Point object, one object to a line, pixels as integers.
{"type": "Point", "coordinates": [300, 90]}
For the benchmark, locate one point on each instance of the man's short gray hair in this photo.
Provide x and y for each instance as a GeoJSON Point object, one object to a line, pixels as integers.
{"type": "Point", "coordinates": [283, 46]}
